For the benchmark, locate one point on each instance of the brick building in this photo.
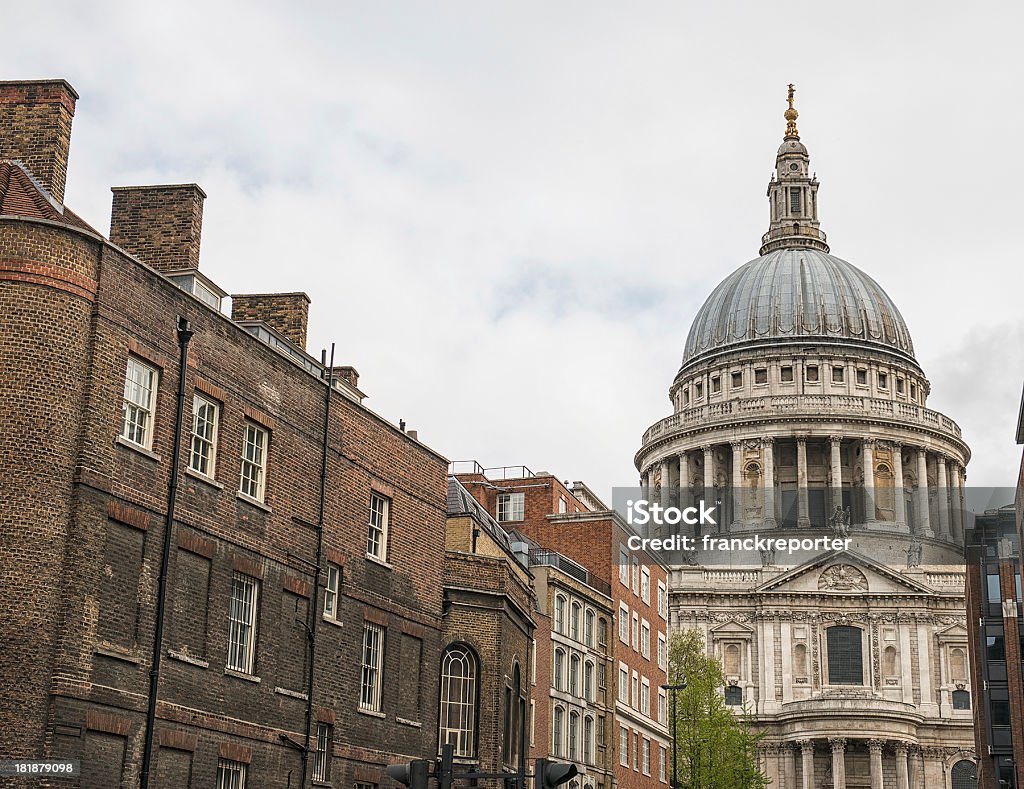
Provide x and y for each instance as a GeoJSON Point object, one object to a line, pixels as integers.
{"type": "Point", "coordinates": [575, 524]}
{"type": "Point", "coordinates": [88, 367]}
{"type": "Point", "coordinates": [487, 641]}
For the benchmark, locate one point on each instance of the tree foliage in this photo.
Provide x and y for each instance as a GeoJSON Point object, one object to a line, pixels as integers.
{"type": "Point", "coordinates": [716, 748]}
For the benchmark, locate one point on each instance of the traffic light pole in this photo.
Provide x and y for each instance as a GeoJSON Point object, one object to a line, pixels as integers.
{"type": "Point", "coordinates": [415, 774]}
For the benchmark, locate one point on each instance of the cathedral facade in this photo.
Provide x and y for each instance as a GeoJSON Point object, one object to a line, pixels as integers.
{"type": "Point", "coordinates": [801, 409]}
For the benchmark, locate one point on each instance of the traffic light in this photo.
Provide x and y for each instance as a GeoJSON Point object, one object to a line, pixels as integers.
{"type": "Point", "coordinates": [413, 774]}
{"type": "Point", "coordinates": [548, 774]}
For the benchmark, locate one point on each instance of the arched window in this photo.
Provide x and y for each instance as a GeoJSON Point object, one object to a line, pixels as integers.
{"type": "Point", "coordinates": [588, 740]}
{"type": "Point", "coordinates": [588, 681]}
{"type": "Point", "coordinates": [889, 661]}
{"type": "Point", "coordinates": [800, 660]}
{"type": "Point", "coordinates": [964, 775]}
{"type": "Point", "coordinates": [734, 696]}
{"type": "Point", "coordinates": [574, 736]}
{"type": "Point", "coordinates": [731, 663]}
{"type": "Point", "coordinates": [602, 631]}
{"type": "Point", "coordinates": [574, 675]}
{"type": "Point", "coordinates": [558, 670]}
{"type": "Point", "coordinates": [557, 732]}
{"type": "Point", "coordinates": [459, 671]}
{"type": "Point", "coordinates": [845, 656]}
{"type": "Point", "coordinates": [560, 603]}
{"type": "Point", "coordinates": [517, 705]}
{"type": "Point", "coordinates": [574, 621]}
{"type": "Point", "coordinates": [958, 663]}
{"type": "Point", "coordinates": [961, 700]}
{"type": "Point", "coordinates": [588, 628]}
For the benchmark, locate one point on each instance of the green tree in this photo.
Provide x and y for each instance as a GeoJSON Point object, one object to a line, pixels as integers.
{"type": "Point", "coordinates": [716, 748]}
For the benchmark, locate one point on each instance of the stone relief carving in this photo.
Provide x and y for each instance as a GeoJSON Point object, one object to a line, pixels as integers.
{"type": "Point", "coordinates": [842, 578]}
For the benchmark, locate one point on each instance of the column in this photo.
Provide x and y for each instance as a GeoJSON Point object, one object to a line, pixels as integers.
{"type": "Point", "coordinates": [684, 480]}
{"type": "Point", "coordinates": [942, 494]}
{"type": "Point", "coordinates": [767, 449]}
{"type": "Point", "coordinates": [645, 485]}
{"type": "Point", "coordinates": [868, 445]}
{"type": "Point", "coordinates": [789, 765]}
{"type": "Point", "coordinates": [666, 481]}
{"type": "Point", "coordinates": [875, 747]}
{"type": "Point", "coordinates": [771, 756]}
{"type": "Point", "coordinates": [737, 483]}
{"type": "Point", "coordinates": [914, 768]}
{"type": "Point", "coordinates": [835, 443]}
{"type": "Point", "coordinates": [902, 767]}
{"type": "Point", "coordinates": [957, 503]}
{"type": "Point", "coordinates": [838, 761]}
{"type": "Point", "coordinates": [921, 502]}
{"type": "Point", "coordinates": [802, 521]}
{"type": "Point", "coordinates": [897, 472]}
{"type": "Point", "coordinates": [807, 762]}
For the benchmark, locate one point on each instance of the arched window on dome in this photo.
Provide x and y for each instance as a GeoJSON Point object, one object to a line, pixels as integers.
{"type": "Point", "coordinates": [885, 493]}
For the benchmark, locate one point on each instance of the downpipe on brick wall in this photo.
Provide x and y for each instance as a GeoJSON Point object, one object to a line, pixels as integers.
{"type": "Point", "coordinates": [184, 335]}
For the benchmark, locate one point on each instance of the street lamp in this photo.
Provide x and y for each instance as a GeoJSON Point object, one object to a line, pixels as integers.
{"type": "Point", "coordinates": [672, 689]}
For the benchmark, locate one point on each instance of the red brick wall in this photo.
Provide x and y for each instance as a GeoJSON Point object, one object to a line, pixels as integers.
{"type": "Point", "coordinates": [287, 313]}
{"type": "Point", "coordinates": [35, 127]}
{"type": "Point", "coordinates": [161, 225]}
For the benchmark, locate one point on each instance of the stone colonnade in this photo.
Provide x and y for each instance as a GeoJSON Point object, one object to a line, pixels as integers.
{"type": "Point", "coordinates": [676, 473]}
{"type": "Point", "coordinates": [915, 767]}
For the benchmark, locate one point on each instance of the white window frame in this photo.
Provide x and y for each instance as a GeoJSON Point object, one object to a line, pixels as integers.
{"type": "Point", "coordinates": [510, 507]}
{"type": "Point", "coordinates": [662, 706]}
{"type": "Point", "coordinates": [645, 638]}
{"type": "Point", "coordinates": [662, 764]}
{"type": "Point", "coordinates": [138, 403]}
{"type": "Point", "coordinates": [243, 619]}
{"type": "Point", "coordinates": [662, 600]}
{"type": "Point", "coordinates": [635, 631]}
{"type": "Point", "coordinates": [623, 566]}
{"type": "Point", "coordinates": [202, 453]}
{"type": "Point", "coordinates": [372, 667]}
{"type": "Point", "coordinates": [646, 760]}
{"type": "Point", "coordinates": [231, 774]}
{"type": "Point", "coordinates": [332, 583]}
{"type": "Point", "coordinates": [589, 623]}
{"type": "Point", "coordinates": [459, 700]}
{"type": "Point", "coordinates": [645, 696]}
{"type": "Point", "coordinates": [623, 694]}
{"type": "Point", "coordinates": [623, 746]}
{"type": "Point", "coordinates": [575, 620]}
{"type": "Point", "coordinates": [645, 585]}
{"type": "Point", "coordinates": [662, 652]}
{"type": "Point", "coordinates": [634, 691]}
{"type": "Point", "coordinates": [255, 445]}
{"type": "Point", "coordinates": [624, 623]}
{"type": "Point", "coordinates": [636, 575]}
{"type": "Point", "coordinates": [378, 524]}
{"type": "Point", "coordinates": [561, 606]}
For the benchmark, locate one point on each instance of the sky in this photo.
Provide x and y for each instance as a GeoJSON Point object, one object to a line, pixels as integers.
{"type": "Point", "coordinates": [508, 214]}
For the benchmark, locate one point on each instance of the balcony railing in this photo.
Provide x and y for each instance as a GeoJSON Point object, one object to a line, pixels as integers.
{"type": "Point", "coordinates": [570, 568]}
{"type": "Point", "coordinates": [773, 406]}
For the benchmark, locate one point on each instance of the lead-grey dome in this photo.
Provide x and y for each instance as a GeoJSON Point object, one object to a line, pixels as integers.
{"type": "Point", "coordinates": [796, 295]}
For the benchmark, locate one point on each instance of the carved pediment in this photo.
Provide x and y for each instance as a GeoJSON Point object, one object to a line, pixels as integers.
{"type": "Point", "coordinates": [844, 573]}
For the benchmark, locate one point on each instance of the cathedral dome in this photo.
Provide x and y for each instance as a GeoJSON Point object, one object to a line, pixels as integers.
{"type": "Point", "coordinates": [796, 295]}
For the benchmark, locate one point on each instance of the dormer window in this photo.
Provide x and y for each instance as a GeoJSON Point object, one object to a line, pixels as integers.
{"type": "Point", "coordinates": [203, 289]}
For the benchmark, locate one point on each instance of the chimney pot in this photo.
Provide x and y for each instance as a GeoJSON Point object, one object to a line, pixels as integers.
{"type": "Point", "coordinates": [160, 225]}
{"type": "Point", "coordinates": [35, 128]}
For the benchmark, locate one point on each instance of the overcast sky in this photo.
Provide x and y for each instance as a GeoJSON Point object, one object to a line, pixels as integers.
{"type": "Point", "coordinates": [508, 214]}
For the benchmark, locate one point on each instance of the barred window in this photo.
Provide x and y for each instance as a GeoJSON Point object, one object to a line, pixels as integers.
{"type": "Point", "coordinates": [242, 623]}
{"type": "Point", "coordinates": [322, 754]}
{"type": "Point", "coordinates": [203, 452]}
{"type": "Point", "coordinates": [459, 700]}
{"type": "Point", "coordinates": [372, 668]}
{"type": "Point", "coordinates": [377, 529]}
{"type": "Point", "coordinates": [230, 775]}
{"type": "Point", "coordinates": [845, 661]}
{"type": "Point", "coordinates": [139, 399]}
{"type": "Point", "coordinates": [254, 461]}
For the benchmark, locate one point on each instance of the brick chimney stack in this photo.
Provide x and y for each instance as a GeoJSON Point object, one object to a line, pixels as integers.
{"type": "Point", "coordinates": [161, 225]}
{"type": "Point", "coordinates": [286, 313]}
{"type": "Point", "coordinates": [35, 128]}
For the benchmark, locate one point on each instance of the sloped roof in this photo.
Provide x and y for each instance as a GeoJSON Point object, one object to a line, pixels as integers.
{"type": "Point", "coordinates": [461, 502]}
{"type": "Point", "coordinates": [22, 195]}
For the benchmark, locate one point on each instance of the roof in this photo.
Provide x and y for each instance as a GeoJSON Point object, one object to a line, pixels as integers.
{"type": "Point", "coordinates": [796, 295]}
{"type": "Point", "coordinates": [461, 502]}
{"type": "Point", "coordinates": [23, 195]}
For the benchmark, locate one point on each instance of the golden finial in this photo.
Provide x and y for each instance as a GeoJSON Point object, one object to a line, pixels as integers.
{"type": "Point", "coordinates": [791, 115]}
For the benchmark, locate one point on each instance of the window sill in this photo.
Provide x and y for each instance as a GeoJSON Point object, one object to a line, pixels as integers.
{"type": "Point", "coordinates": [254, 502]}
{"type": "Point", "coordinates": [406, 722]}
{"type": "Point", "coordinates": [332, 621]}
{"type": "Point", "coordinates": [118, 653]}
{"type": "Point", "coordinates": [371, 713]}
{"type": "Point", "coordinates": [292, 694]}
{"type": "Point", "coordinates": [230, 672]}
{"type": "Point", "coordinates": [186, 658]}
{"type": "Point", "coordinates": [203, 478]}
{"type": "Point", "coordinates": [124, 442]}
{"type": "Point", "coordinates": [371, 558]}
